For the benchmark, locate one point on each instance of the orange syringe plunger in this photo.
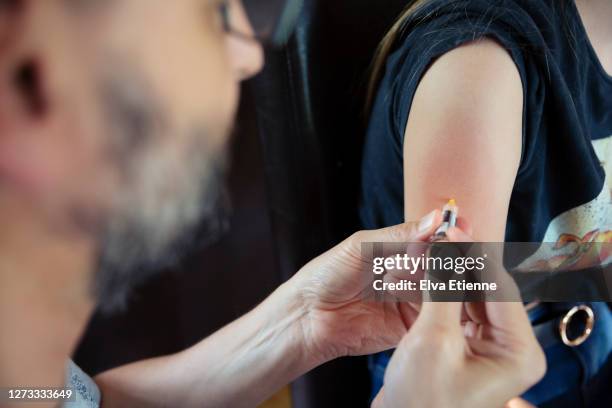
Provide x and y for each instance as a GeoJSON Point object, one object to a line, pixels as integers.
{"type": "Point", "coordinates": [449, 219]}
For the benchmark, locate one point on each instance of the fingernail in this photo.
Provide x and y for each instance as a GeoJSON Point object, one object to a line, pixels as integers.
{"type": "Point", "coordinates": [426, 221]}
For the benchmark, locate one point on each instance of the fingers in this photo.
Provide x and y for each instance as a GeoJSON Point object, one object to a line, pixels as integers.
{"type": "Point", "coordinates": [418, 231]}
{"type": "Point", "coordinates": [476, 312]}
{"type": "Point", "coordinates": [465, 226]}
{"type": "Point", "coordinates": [441, 314]}
{"type": "Point", "coordinates": [458, 234]}
{"type": "Point", "coordinates": [508, 311]}
{"type": "Point", "coordinates": [407, 232]}
{"type": "Point", "coordinates": [413, 231]}
{"type": "Point", "coordinates": [446, 314]}
{"type": "Point", "coordinates": [500, 314]}
{"type": "Point", "coordinates": [509, 316]}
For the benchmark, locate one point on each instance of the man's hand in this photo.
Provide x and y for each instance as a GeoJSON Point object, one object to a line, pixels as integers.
{"type": "Point", "coordinates": [316, 316]}
{"type": "Point", "coordinates": [336, 321]}
{"type": "Point", "coordinates": [482, 363]}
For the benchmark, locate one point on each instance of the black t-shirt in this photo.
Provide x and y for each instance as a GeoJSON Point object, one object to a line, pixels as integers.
{"type": "Point", "coordinates": [560, 192]}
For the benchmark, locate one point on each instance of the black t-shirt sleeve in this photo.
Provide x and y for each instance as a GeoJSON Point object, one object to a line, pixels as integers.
{"type": "Point", "coordinates": [560, 180]}
{"type": "Point", "coordinates": [442, 26]}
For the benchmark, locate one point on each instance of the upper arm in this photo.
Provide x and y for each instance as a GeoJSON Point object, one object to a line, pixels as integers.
{"type": "Point", "coordinates": [463, 137]}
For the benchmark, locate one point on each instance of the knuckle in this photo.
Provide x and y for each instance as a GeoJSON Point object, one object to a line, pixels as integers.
{"type": "Point", "coordinates": [353, 244]}
{"type": "Point", "coordinates": [357, 238]}
{"type": "Point", "coordinates": [394, 234]}
{"type": "Point", "coordinates": [400, 233]}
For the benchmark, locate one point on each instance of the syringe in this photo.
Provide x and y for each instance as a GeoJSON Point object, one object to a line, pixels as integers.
{"type": "Point", "coordinates": [449, 219]}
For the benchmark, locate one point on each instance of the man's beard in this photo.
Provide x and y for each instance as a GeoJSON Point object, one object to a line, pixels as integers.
{"type": "Point", "coordinates": [167, 204]}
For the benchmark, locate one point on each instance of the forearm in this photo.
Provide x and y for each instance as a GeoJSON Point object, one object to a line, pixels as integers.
{"type": "Point", "coordinates": [240, 365]}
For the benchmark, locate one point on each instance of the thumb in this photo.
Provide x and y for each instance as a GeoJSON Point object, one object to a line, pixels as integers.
{"type": "Point", "coordinates": [409, 231]}
{"type": "Point", "coordinates": [441, 314]}
{"type": "Point", "coordinates": [418, 231]}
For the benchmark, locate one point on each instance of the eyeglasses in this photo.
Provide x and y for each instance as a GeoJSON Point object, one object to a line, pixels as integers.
{"type": "Point", "coordinates": [272, 20]}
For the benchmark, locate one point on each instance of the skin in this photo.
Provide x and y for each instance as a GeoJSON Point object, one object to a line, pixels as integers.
{"type": "Point", "coordinates": [481, 138]}
{"type": "Point", "coordinates": [463, 138]}
{"type": "Point", "coordinates": [595, 15]}
{"type": "Point", "coordinates": [59, 184]}
{"type": "Point", "coordinates": [313, 318]}
{"type": "Point", "coordinates": [479, 364]}
{"type": "Point", "coordinates": [440, 116]}
{"type": "Point", "coordinates": [49, 156]}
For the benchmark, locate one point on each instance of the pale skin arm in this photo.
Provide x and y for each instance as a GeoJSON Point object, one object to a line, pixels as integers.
{"type": "Point", "coordinates": [463, 137]}
{"type": "Point", "coordinates": [463, 141]}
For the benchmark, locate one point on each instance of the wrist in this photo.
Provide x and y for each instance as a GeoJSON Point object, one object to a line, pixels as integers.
{"type": "Point", "coordinates": [312, 330]}
{"type": "Point", "coordinates": [256, 355]}
{"type": "Point", "coordinates": [284, 316]}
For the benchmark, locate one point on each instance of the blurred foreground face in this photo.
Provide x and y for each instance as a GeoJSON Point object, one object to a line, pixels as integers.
{"type": "Point", "coordinates": [114, 119]}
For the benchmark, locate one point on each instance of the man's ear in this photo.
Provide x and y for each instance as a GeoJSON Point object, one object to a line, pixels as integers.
{"type": "Point", "coordinates": [17, 63]}
{"type": "Point", "coordinates": [28, 126]}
